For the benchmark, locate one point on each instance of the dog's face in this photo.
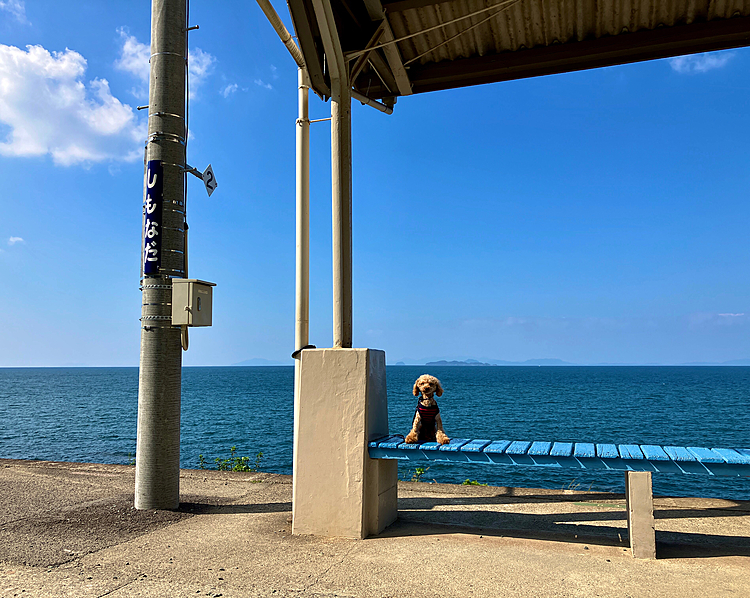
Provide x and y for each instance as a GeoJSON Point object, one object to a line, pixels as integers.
{"type": "Point", "coordinates": [427, 385]}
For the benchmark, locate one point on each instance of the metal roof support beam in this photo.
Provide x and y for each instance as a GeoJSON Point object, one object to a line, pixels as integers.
{"type": "Point", "coordinates": [341, 173]}
{"type": "Point", "coordinates": [362, 60]}
{"type": "Point", "coordinates": [392, 55]}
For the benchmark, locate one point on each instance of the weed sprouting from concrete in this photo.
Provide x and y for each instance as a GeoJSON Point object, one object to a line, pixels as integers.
{"type": "Point", "coordinates": [234, 463]}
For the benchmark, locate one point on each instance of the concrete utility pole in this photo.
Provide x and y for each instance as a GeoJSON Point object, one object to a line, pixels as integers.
{"type": "Point", "coordinates": [157, 465]}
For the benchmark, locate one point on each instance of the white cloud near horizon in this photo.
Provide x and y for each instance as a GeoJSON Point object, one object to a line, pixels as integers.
{"type": "Point", "coordinates": [14, 240]}
{"type": "Point", "coordinates": [263, 83]}
{"type": "Point", "coordinates": [700, 63]}
{"type": "Point", "coordinates": [51, 110]}
{"type": "Point", "coordinates": [15, 7]}
{"type": "Point", "coordinates": [134, 57]}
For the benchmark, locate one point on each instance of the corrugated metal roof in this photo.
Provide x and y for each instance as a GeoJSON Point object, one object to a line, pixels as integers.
{"type": "Point", "coordinates": [412, 46]}
{"type": "Point", "coordinates": [524, 24]}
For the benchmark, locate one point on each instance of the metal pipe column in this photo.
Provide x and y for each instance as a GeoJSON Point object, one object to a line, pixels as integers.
{"type": "Point", "coordinates": [302, 286]}
{"type": "Point", "coordinates": [157, 461]}
{"type": "Point", "coordinates": [302, 282]}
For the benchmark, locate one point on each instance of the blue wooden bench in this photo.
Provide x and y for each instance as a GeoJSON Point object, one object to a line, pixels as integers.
{"type": "Point", "coordinates": [638, 461]}
{"type": "Point", "coordinates": [575, 455]}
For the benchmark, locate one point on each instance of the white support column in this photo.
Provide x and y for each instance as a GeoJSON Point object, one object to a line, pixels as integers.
{"type": "Point", "coordinates": [639, 502]}
{"type": "Point", "coordinates": [341, 171]}
{"type": "Point", "coordinates": [341, 167]}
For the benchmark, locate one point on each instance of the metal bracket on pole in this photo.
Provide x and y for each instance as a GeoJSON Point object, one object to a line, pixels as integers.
{"type": "Point", "coordinates": [207, 176]}
{"type": "Point", "coordinates": [193, 171]}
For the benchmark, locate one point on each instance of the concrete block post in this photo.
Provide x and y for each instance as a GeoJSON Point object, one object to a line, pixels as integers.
{"type": "Point", "coordinates": [639, 502]}
{"type": "Point", "coordinates": [341, 405]}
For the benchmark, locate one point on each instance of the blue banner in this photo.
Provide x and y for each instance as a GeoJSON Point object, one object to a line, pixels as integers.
{"type": "Point", "coordinates": [152, 218]}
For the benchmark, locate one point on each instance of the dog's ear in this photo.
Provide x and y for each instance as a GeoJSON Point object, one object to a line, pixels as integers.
{"type": "Point", "coordinates": [439, 391]}
{"type": "Point", "coordinates": [415, 392]}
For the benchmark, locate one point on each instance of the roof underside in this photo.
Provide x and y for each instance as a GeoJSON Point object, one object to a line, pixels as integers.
{"type": "Point", "coordinates": [400, 47]}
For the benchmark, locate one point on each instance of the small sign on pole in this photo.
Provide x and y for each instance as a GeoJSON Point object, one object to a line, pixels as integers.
{"type": "Point", "coordinates": [209, 180]}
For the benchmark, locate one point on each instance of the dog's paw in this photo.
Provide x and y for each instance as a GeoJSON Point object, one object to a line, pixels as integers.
{"type": "Point", "coordinates": [442, 438]}
{"type": "Point", "coordinates": [411, 438]}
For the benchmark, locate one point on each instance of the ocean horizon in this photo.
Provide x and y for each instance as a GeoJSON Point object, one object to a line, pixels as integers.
{"type": "Point", "coordinates": [88, 414]}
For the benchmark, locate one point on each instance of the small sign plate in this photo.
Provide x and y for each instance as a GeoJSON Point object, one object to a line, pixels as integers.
{"type": "Point", "coordinates": [209, 180]}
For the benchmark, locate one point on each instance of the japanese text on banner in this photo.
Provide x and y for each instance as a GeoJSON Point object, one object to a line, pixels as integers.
{"type": "Point", "coordinates": [152, 217]}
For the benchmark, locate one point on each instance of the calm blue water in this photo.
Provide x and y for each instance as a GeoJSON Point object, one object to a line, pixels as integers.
{"type": "Point", "coordinates": [89, 414]}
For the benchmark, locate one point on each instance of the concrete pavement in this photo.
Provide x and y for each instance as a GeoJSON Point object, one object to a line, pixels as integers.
{"type": "Point", "coordinates": [69, 529]}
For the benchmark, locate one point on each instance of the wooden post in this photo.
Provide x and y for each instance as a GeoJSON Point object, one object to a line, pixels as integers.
{"type": "Point", "coordinates": [639, 502]}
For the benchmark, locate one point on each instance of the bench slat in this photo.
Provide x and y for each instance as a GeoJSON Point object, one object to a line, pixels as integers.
{"type": "Point", "coordinates": [540, 449]}
{"type": "Point", "coordinates": [430, 446]}
{"type": "Point", "coordinates": [388, 442]}
{"type": "Point", "coordinates": [498, 446]}
{"type": "Point", "coordinates": [653, 452]}
{"type": "Point", "coordinates": [518, 447]}
{"type": "Point", "coordinates": [679, 453]}
{"type": "Point", "coordinates": [606, 451]}
{"type": "Point", "coordinates": [584, 449]}
{"type": "Point", "coordinates": [408, 447]}
{"type": "Point", "coordinates": [745, 452]}
{"type": "Point", "coordinates": [455, 444]}
{"type": "Point", "coordinates": [705, 454]}
{"type": "Point", "coordinates": [630, 451]}
{"type": "Point", "coordinates": [562, 449]}
{"type": "Point", "coordinates": [475, 446]}
{"type": "Point", "coordinates": [733, 456]}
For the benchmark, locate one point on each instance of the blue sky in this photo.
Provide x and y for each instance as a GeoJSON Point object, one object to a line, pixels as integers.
{"type": "Point", "coordinates": [593, 217]}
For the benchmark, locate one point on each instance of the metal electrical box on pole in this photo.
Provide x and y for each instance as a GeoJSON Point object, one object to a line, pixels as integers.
{"type": "Point", "coordinates": [157, 463]}
{"type": "Point", "coordinates": [192, 302]}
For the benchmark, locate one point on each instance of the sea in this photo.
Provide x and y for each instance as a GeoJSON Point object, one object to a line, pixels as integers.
{"type": "Point", "coordinates": [89, 415]}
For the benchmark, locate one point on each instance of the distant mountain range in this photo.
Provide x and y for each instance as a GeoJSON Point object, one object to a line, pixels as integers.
{"type": "Point", "coordinates": [467, 362]}
{"type": "Point", "coordinates": [259, 361]}
{"type": "Point", "coordinates": [470, 362]}
{"type": "Point", "coordinates": [539, 362]}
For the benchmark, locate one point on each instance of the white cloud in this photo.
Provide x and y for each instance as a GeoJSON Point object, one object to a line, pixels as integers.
{"type": "Point", "coordinates": [14, 240]}
{"type": "Point", "coordinates": [200, 67]}
{"type": "Point", "coordinates": [15, 7]}
{"type": "Point", "coordinates": [700, 63]}
{"type": "Point", "coordinates": [134, 60]}
{"type": "Point", "coordinates": [49, 109]}
{"type": "Point", "coordinates": [263, 83]}
{"type": "Point", "coordinates": [229, 90]}
{"type": "Point", "coordinates": [134, 57]}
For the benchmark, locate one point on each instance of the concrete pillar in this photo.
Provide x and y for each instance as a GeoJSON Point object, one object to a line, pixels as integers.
{"type": "Point", "coordinates": [639, 501]}
{"type": "Point", "coordinates": [157, 458]}
{"type": "Point", "coordinates": [338, 490]}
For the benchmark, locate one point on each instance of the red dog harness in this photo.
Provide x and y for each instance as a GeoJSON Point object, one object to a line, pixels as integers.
{"type": "Point", "coordinates": [427, 433]}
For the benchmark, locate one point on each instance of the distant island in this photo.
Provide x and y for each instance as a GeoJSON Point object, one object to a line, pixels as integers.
{"type": "Point", "coordinates": [470, 362]}
{"type": "Point", "coordinates": [467, 362]}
